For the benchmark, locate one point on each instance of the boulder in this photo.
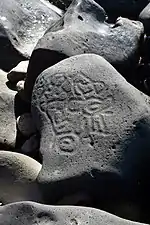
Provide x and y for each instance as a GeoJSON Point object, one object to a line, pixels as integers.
{"type": "Point", "coordinates": [145, 18]}
{"type": "Point", "coordinates": [83, 29]}
{"type": "Point", "coordinates": [22, 23]}
{"type": "Point", "coordinates": [30, 213]}
{"type": "Point", "coordinates": [31, 146]}
{"type": "Point", "coordinates": [19, 72]}
{"type": "Point", "coordinates": [126, 8]}
{"type": "Point", "coordinates": [7, 115]}
{"type": "Point", "coordinates": [25, 124]}
{"type": "Point", "coordinates": [18, 175]}
{"type": "Point", "coordinates": [94, 129]}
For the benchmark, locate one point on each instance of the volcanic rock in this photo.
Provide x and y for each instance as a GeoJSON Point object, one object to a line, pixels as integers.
{"type": "Point", "coordinates": [145, 18]}
{"type": "Point", "coordinates": [19, 72]}
{"type": "Point", "coordinates": [18, 175]}
{"type": "Point", "coordinates": [94, 129]}
{"type": "Point", "coordinates": [126, 8]}
{"type": "Point", "coordinates": [22, 23]}
{"type": "Point", "coordinates": [7, 115]}
{"type": "Point", "coordinates": [30, 213]}
{"type": "Point", "coordinates": [83, 29]}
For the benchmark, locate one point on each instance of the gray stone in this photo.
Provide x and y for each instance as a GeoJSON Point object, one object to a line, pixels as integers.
{"type": "Point", "coordinates": [18, 175]}
{"type": "Point", "coordinates": [145, 18]}
{"type": "Point", "coordinates": [126, 8]}
{"type": "Point", "coordinates": [31, 145]}
{"type": "Point", "coordinates": [7, 114]}
{"type": "Point", "coordinates": [22, 23]}
{"type": "Point", "coordinates": [30, 213]}
{"type": "Point", "coordinates": [26, 125]}
{"type": "Point", "coordinates": [94, 129]}
{"type": "Point", "coordinates": [19, 72]}
{"type": "Point", "coordinates": [115, 8]}
{"type": "Point", "coordinates": [83, 30]}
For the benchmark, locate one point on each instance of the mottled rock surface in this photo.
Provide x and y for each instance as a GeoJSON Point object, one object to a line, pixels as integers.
{"type": "Point", "coordinates": [94, 129]}
{"type": "Point", "coordinates": [18, 175]}
{"type": "Point", "coordinates": [83, 30]}
{"type": "Point", "coordinates": [30, 213]}
{"type": "Point", "coordinates": [7, 114]}
{"type": "Point", "coordinates": [73, 132]}
{"type": "Point", "coordinates": [22, 23]}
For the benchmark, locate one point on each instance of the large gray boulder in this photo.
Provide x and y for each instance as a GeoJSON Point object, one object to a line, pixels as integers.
{"type": "Point", "coordinates": [7, 114]}
{"type": "Point", "coordinates": [83, 29]}
{"type": "Point", "coordinates": [30, 213]}
{"type": "Point", "coordinates": [94, 129]}
{"type": "Point", "coordinates": [22, 23]}
{"type": "Point", "coordinates": [114, 8]}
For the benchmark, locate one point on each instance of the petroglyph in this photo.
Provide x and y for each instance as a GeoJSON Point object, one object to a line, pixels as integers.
{"type": "Point", "coordinates": [76, 109]}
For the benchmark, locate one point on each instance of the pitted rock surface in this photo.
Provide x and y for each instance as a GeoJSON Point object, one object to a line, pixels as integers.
{"type": "Point", "coordinates": [83, 30]}
{"type": "Point", "coordinates": [30, 213]}
{"type": "Point", "coordinates": [18, 175]}
{"type": "Point", "coordinates": [94, 129]}
{"type": "Point", "coordinates": [22, 23]}
{"type": "Point", "coordinates": [7, 114]}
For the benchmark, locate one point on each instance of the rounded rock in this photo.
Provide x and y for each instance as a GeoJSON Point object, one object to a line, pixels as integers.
{"type": "Point", "coordinates": [18, 175]}
{"type": "Point", "coordinates": [31, 145]}
{"type": "Point", "coordinates": [26, 125]}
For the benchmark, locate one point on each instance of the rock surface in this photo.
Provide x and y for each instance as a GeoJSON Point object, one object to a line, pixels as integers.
{"type": "Point", "coordinates": [22, 23]}
{"type": "Point", "coordinates": [83, 30]}
{"type": "Point", "coordinates": [145, 18]}
{"type": "Point", "coordinates": [83, 128]}
{"type": "Point", "coordinates": [31, 145]}
{"type": "Point", "coordinates": [18, 175]}
{"type": "Point", "coordinates": [26, 125]}
{"type": "Point", "coordinates": [94, 129]}
{"type": "Point", "coordinates": [19, 72]}
{"type": "Point", "coordinates": [126, 8]}
{"type": "Point", "coordinates": [7, 114]}
{"type": "Point", "coordinates": [30, 213]}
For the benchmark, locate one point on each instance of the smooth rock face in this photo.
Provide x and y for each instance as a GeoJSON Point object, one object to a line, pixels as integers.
{"type": "Point", "coordinates": [94, 129]}
{"type": "Point", "coordinates": [83, 30]}
{"type": "Point", "coordinates": [18, 175]}
{"type": "Point", "coordinates": [7, 115]}
{"type": "Point", "coordinates": [30, 213]}
{"type": "Point", "coordinates": [145, 18]}
{"type": "Point", "coordinates": [22, 23]}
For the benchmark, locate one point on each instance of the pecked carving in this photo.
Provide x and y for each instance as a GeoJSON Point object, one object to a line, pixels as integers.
{"type": "Point", "coordinates": [75, 109]}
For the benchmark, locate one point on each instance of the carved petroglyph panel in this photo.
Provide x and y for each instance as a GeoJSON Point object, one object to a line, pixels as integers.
{"type": "Point", "coordinates": [76, 109]}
